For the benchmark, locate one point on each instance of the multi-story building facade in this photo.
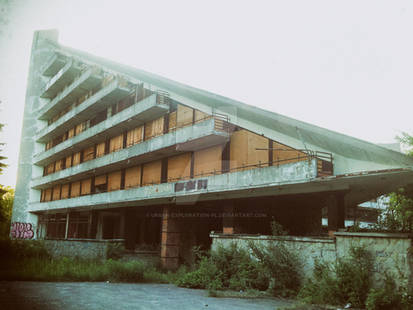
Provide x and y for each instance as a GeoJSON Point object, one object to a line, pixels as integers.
{"type": "Point", "coordinates": [112, 152]}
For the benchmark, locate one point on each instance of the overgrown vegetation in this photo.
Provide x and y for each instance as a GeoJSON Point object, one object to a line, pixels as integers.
{"type": "Point", "coordinates": [6, 205]}
{"type": "Point", "coordinates": [261, 268]}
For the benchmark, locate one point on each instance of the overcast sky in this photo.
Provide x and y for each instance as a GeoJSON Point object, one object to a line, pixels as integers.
{"type": "Point", "coordinates": [343, 65]}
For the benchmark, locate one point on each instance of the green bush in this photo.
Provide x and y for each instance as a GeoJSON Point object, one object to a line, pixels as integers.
{"type": "Point", "coordinates": [115, 250]}
{"type": "Point", "coordinates": [347, 281]}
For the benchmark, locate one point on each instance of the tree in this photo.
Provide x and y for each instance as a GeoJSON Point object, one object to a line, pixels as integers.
{"type": "Point", "coordinates": [2, 158]}
{"type": "Point", "coordinates": [6, 205]}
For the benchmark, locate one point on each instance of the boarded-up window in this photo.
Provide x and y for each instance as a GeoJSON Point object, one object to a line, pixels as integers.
{"type": "Point", "coordinates": [48, 194]}
{"type": "Point", "coordinates": [172, 121]}
{"type": "Point", "coordinates": [49, 145]}
{"type": "Point", "coordinates": [89, 153]}
{"type": "Point", "coordinates": [154, 128]}
{"type": "Point", "coordinates": [79, 129]}
{"type": "Point", "coordinates": [65, 191]}
{"type": "Point", "coordinates": [243, 150]}
{"type": "Point", "coordinates": [56, 192]}
{"type": "Point", "coordinates": [100, 149]}
{"type": "Point", "coordinates": [184, 116]}
{"type": "Point", "coordinates": [116, 143]}
{"type": "Point", "coordinates": [200, 116]}
{"type": "Point", "coordinates": [70, 133]}
{"type": "Point", "coordinates": [133, 177]}
{"type": "Point", "coordinates": [134, 136]}
{"type": "Point", "coordinates": [59, 165]}
{"type": "Point", "coordinates": [114, 180]}
{"type": "Point", "coordinates": [179, 167]}
{"type": "Point", "coordinates": [208, 161]}
{"type": "Point", "coordinates": [152, 173]}
{"type": "Point", "coordinates": [50, 168]}
{"type": "Point", "coordinates": [86, 186]}
{"type": "Point", "coordinates": [69, 161]}
{"type": "Point", "coordinates": [75, 189]}
{"type": "Point", "coordinates": [100, 184]}
{"type": "Point", "coordinates": [283, 154]}
{"type": "Point", "coordinates": [76, 158]}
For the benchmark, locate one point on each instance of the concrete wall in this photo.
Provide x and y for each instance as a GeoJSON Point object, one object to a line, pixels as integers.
{"type": "Point", "coordinates": [86, 248]}
{"type": "Point", "coordinates": [392, 253]}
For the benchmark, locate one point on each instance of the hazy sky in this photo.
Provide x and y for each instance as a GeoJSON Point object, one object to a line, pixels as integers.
{"type": "Point", "coordinates": [343, 65]}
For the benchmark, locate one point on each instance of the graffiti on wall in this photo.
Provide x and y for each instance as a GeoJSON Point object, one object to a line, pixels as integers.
{"type": "Point", "coordinates": [21, 230]}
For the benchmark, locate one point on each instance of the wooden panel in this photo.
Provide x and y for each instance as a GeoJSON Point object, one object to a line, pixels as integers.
{"type": "Point", "coordinates": [154, 128]}
{"type": "Point", "coordinates": [100, 149]}
{"type": "Point", "coordinates": [208, 160]}
{"type": "Point", "coordinates": [243, 150]}
{"type": "Point", "coordinates": [116, 143]}
{"type": "Point", "coordinates": [133, 177]}
{"type": "Point", "coordinates": [114, 181]}
{"type": "Point", "coordinates": [75, 189]}
{"type": "Point", "coordinates": [134, 136]}
{"type": "Point", "coordinates": [79, 129]}
{"type": "Point", "coordinates": [179, 167]}
{"type": "Point", "coordinates": [86, 186]}
{"type": "Point", "coordinates": [59, 165]}
{"type": "Point", "coordinates": [50, 168]}
{"type": "Point", "coordinates": [56, 192]}
{"type": "Point", "coordinates": [283, 154]}
{"type": "Point", "coordinates": [69, 161]}
{"type": "Point", "coordinates": [65, 191]}
{"type": "Point", "coordinates": [48, 194]}
{"type": "Point", "coordinates": [70, 133]}
{"type": "Point", "coordinates": [76, 159]}
{"type": "Point", "coordinates": [172, 121]}
{"type": "Point", "coordinates": [89, 153]}
{"type": "Point", "coordinates": [199, 116]}
{"type": "Point", "coordinates": [101, 179]}
{"type": "Point", "coordinates": [152, 173]}
{"type": "Point", "coordinates": [184, 116]}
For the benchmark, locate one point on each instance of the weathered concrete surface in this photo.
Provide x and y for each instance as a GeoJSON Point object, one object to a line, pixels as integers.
{"type": "Point", "coordinates": [237, 181]}
{"type": "Point", "coordinates": [97, 296]}
{"type": "Point", "coordinates": [86, 248]}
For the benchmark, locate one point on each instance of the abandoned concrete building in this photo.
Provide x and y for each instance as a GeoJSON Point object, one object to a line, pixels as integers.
{"type": "Point", "coordinates": [109, 152]}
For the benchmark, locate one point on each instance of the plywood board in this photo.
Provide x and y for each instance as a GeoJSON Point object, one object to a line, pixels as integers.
{"type": "Point", "coordinates": [116, 143]}
{"type": "Point", "coordinates": [101, 179]}
{"type": "Point", "coordinates": [179, 167]}
{"type": "Point", "coordinates": [75, 189]}
{"type": "Point", "coordinates": [133, 177]}
{"type": "Point", "coordinates": [172, 121]}
{"type": "Point", "coordinates": [283, 154]}
{"type": "Point", "coordinates": [56, 192]}
{"type": "Point", "coordinates": [86, 186]}
{"type": "Point", "coordinates": [50, 168]}
{"type": "Point", "coordinates": [134, 136]}
{"type": "Point", "coordinates": [200, 116]}
{"type": "Point", "coordinates": [208, 161]}
{"type": "Point", "coordinates": [79, 129]}
{"type": "Point", "coordinates": [68, 161]}
{"type": "Point", "coordinates": [257, 156]}
{"type": "Point", "coordinates": [154, 128]}
{"type": "Point", "coordinates": [100, 149]}
{"type": "Point", "coordinates": [59, 165]}
{"type": "Point", "coordinates": [48, 194]}
{"type": "Point", "coordinates": [70, 133]}
{"type": "Point", "coordinates": [184, 116]}
{"type": "Point", "coordinates": [89, 153]}
{"type": "Point", "coordinates": [65, 191]}
{"type": "Point", "coordinates": [238, 149]}
{"type": "Point", "coordinates": [76, 158]}
{"type": "Point", "coordinates": [152, 173]}
{"type": "Point", "coordinates": [114, 179]}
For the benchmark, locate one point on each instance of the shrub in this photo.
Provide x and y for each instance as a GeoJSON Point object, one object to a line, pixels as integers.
{"type": "Point", "coordinates": [347, 281]}
{"type": "Point", "coordinates": [115, 250]}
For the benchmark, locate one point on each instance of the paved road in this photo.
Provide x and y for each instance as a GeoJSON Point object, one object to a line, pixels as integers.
{"type": "Point", "coordinates": [122, 296]}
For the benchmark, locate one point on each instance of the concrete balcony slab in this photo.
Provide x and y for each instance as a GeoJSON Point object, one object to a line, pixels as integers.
{"type": "Point", "coordinates": [190, 138]}
{"type": "Point", "coordinates": [136, 115]}
{"type": "Point", "coordinates": [276, 180]}
{"type": "Point", "coordinates": [53, 65]}
{"type": "Point", "coordinates": [63, 77]}
{"type": "Point", "coordinates": [99, 101]}
{"type": "Point", "coordinates": [87, 81]}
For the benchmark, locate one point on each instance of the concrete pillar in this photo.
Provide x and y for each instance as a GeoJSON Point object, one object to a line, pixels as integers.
{"type": "Point", "coordinates": [130, 229]}
{"type": "Point", "coordinates": [170, 238]}
{"type": "Point", "coordinates": [335, 213]}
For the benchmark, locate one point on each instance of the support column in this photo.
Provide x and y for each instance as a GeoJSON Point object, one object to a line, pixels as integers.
{"type": "Point", "coordinates": [130, 229]}
{"type": "Point", "coordinates": [336, 213]}
{"type": "Point", "coordinates": [170, 238]}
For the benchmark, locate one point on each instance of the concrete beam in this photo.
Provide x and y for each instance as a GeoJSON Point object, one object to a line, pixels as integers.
{"type": "Point", "coordinates": [53, 65]}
